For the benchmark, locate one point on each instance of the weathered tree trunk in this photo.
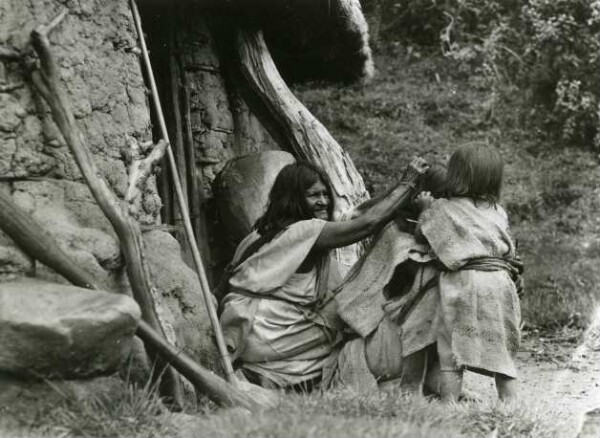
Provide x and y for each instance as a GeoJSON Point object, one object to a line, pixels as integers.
{"type": "Point", "coordinates": [305, 137]}
{"type": "Point", "coordinates": [373, 10]}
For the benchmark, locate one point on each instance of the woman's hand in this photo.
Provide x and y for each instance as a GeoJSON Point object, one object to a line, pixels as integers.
{"type": "Point", "coordinates": [415, 168]}
{"type": "Point", "coordinates": [372, 218]}
{"type": "Point", "coordinates": [423, 200]}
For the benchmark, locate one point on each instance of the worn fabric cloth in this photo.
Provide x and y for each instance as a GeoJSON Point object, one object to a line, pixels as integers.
{"type": "Point", "coordinates": [360, 297]}
{"type": "Point", "coordinates": [389, 329]}
{"type": "Point", "coordinates": [270, 319]}
{"type": "Point", "coordinates": [350, 368]}
{"type": "Point", "coordinates": [480, 309]}
{"type": "Point", "coordinates": [417, 312]}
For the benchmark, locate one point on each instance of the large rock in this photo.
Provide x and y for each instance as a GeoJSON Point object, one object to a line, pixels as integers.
{"type": "Point", "coordinates": [53, 330]}
{"type": "Point", "coordinates": [66, 211]}
{"type": "Point", "coordinates": [242, 191]}
{"type": "Point", "coordinates": [182, 303]}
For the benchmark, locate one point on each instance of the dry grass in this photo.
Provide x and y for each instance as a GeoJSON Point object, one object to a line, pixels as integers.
{"type": "Point", "coordinates": [101, 408]}
{"type": "Point", "coordinates": [348, 414]}
{"type": "Point", "coordinates": [136, 412]}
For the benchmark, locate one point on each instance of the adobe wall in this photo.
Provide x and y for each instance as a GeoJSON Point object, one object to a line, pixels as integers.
{"type": "Point", "coordinates": [102, 78]}
{"type": "Point", "coordinates": [96, 50]}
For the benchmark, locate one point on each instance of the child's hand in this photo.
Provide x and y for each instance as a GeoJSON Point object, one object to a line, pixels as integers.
{"type": "Point", "coordinates": [423, 200]}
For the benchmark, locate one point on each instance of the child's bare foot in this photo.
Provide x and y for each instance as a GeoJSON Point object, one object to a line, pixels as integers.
{"type": "Point", "coordinates": [451, 385]}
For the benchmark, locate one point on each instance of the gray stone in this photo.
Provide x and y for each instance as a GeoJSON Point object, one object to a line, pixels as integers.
{"type": "Point", "coordinates": [183, 304]}
{"type": "Point", "coordinates": [13, 262]}
{"type": "Point", "coordinates": [52, 330]}
{"type": "Point", "coordinates": [71, 235]}
{"type": "Point", "coordinates": [8, 147]}
{"type": "Point", "coordinates": [11, 113]}
{"type": "Point", "coordinates": [242, 191]}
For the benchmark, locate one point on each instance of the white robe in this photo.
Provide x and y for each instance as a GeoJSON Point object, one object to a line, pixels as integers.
{"type": "Point", "coordinates": [267, 317]}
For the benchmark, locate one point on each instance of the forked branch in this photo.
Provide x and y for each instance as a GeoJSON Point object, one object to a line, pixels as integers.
{"type": "Point", "coordinates": [141, 168]}
{"type": "Point", "coordinates": [46, 80]}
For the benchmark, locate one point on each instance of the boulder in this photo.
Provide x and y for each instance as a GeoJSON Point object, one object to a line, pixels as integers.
{"type": "Point", "coordinates": [53, 330]}
{"type": "Point", "coordinates": [69, 213]}
{"type": "Point", "coordinates": [182, 302]}
{"type": "Point", "coordinates": [242, 191]}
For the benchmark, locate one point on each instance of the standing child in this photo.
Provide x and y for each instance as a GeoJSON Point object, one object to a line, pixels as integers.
{"type": "Point", "coordinates": [478, 321]}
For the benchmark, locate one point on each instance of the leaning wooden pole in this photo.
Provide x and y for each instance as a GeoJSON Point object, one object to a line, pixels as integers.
{"type": "Point", "coordinates": [212, 312]}
{"type": "Point", "coordinates": [46, 80]}
{"type": "Point", "coordinates": [40, 245]}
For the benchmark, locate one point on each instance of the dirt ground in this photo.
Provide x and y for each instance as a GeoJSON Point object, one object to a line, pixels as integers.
{"type": "Point", "coordinates": [559, 373]}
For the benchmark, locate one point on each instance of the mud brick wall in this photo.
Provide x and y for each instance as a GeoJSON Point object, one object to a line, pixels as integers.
{"type": "Point", "coordinates": [101, 74]}
{"type": "Point", "coordinates": [96, 50]}
{"type": "Point", "coordinates": [99, 65]}
{"type": "Point", "coordinates": [222, 124]}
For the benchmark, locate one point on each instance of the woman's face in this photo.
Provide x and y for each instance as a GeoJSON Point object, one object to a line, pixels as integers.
{"type": "Point", "coordinates": [317, 200]}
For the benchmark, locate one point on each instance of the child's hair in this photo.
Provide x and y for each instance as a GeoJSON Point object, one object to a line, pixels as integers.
{"type": "Point", "coordinates": [433, 181]}
{"type": "Point", "coordinates": [287, 202]}
{"type": "Point", "coordinates": [475, 171]}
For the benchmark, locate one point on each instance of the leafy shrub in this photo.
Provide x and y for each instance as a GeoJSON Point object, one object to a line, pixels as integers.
{"type": "Point", "coordinates": [547, 52]}
{"type": "Point", "coordinates": [562, 55]}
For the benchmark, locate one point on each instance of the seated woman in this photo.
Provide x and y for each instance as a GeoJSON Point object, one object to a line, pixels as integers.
{"type": "Point", "coordinates": [275, 328]}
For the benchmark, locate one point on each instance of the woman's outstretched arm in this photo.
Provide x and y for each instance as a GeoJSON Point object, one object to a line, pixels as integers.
{"type": "Point", "coordinates": [336, 234]}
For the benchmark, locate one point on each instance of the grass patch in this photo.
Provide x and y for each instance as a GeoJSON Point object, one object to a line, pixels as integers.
{"type": "Point", "coordinates": [129, 411]}
{"type": "Point", "coordinates": [96, 408]}
{"type": "Point", "coordinates": [346, 413]}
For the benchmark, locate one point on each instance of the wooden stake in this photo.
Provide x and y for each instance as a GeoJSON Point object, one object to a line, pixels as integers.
{"type": "Point", "coordinates": [195, 196]}
{"type": "Point", "coordinates": [178, 137]}
{"type": "Point", "coordinates": [177, 121]}
{"type": "Point", "coordinates": [212, 313]}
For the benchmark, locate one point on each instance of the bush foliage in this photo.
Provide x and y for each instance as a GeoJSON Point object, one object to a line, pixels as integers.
{"type": "Point", "coordinates": [546, 52]}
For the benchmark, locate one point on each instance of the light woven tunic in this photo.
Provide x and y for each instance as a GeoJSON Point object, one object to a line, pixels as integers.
{"type": "Point", "coordinates": [267, 317]}
{"type": "Point", "coordinates": [479, 310]}
{"type": "Point", "coordinates": [363, 305]}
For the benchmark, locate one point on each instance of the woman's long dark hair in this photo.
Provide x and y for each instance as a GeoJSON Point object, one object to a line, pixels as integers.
{"type": "Point", "coordinates": [287, 201]}
{"type": "Point", "coordinates": [475, 171]}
